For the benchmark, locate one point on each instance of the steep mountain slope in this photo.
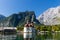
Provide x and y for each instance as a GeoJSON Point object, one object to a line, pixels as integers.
{"type": "Point", "coordinates": [2, 17]}
{"type": "Point", "coordinates": [50, 16]}
{"type": "Point", "coordinates": [18, 19]}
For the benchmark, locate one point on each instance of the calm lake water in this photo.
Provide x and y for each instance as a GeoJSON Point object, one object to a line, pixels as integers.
{"type": "Point", "coordinates": [46, 36]}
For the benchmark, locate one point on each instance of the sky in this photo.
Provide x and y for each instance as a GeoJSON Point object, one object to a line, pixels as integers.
{"type": "Point", "coordinates": [8, 7]}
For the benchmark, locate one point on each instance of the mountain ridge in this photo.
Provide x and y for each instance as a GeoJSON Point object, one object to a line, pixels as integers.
{"type": "Point", "coordinates": [19, 19]}
{"type": "Point", "coordinates": [50, 17]}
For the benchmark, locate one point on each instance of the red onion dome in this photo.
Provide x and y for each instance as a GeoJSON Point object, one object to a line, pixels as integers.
{"type": "Point", "coordinates": [26, 25]}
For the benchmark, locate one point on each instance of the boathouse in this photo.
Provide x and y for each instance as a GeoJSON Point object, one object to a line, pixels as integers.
{"type": "Point", "coordinates": [8, 30]}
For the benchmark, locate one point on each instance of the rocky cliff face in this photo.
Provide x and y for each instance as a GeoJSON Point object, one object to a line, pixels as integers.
{"type": "Point", "coordinates": [18, 19]}
{"type": "Point", "coordinates": [50, 16]}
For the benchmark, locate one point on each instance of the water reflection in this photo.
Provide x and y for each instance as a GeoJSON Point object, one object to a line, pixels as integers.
{"type": "Point", "coordinates": [7, 37]}
{"type": "Point", "coordinates": [46, 36]}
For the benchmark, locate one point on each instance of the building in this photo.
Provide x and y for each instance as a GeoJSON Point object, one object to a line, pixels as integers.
{"type": "Point", "coordinates": [8, 30]}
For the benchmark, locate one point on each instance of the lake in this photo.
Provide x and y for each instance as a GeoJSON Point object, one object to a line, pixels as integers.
{"type": "Point", "coordinates": [46, 36]}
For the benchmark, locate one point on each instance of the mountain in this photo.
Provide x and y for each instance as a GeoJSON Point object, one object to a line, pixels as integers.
{"type": "Point", "coordinates": [50, 16]}
{"type": "Point", "coordinates": [18, 19]}
{"type": "Point", "coordinates": [2, 17]}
